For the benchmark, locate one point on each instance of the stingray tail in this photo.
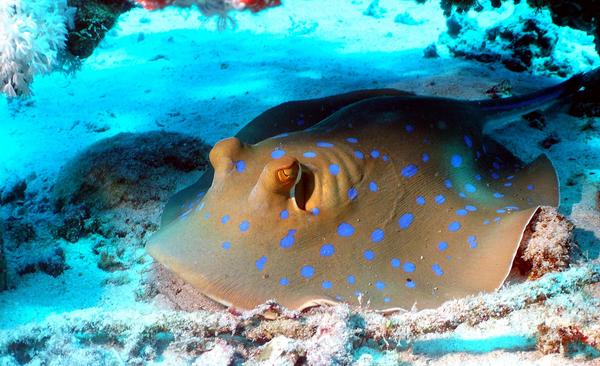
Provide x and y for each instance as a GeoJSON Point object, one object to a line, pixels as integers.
{"type": "Point", "coordinates": [524, 104]}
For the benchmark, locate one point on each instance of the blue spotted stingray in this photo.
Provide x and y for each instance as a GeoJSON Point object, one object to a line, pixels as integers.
{"type": "Point", "coordinates": [378, 197]}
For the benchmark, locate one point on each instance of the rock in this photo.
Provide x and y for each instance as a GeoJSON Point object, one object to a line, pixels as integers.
{"type": "Point", "coordinates": [129, 170]}
{"type": "Point", "coordinates": [407, 19]}
{"type": "Point", "coordinates": [430, 51]}
{"type": "Point", "coordinates": [515, 43]}
{"type": "Point", "coordinates": [547, 244]}
{"type": "Point", "coordinates": [3, 269]}
{"type": "Point", "coordinates": [282, 350]}
{"type": "Point", "coordinates": [19, 232]}
{"type": "Point", "coordinates": [535, 119]}
{"type": "Point", "coordinates": [13, 191]}
{"type": "Point", "coordinates": [51, 261]}
{"type": "Point", "coordinates": [222, 354]}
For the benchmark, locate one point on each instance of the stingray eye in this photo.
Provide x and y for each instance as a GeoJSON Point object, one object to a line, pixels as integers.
{"type": "Point", "coordinates": [287, 175]}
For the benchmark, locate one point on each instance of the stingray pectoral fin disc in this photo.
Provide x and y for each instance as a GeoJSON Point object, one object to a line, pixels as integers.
{"type": "Point", "coordinates": [496, 250]}
{"type": "Point", "coordinates": [497, 241]}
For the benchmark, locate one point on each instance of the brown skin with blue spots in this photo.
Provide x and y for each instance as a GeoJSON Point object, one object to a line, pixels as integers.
{"type": "Point", "coordinates": [391, 201]}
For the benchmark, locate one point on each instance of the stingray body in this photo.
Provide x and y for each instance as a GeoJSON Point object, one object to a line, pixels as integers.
{"type": "Point", "coordinates": [392, 200]}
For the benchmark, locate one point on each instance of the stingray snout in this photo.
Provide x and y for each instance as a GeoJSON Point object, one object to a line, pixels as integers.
{"type": "Point", "coordinates": [223, 154]}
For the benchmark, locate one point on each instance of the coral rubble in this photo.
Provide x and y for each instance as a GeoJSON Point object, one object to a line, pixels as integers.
{"type": "Point", "coordinates": [124, 169]}
{"type": "Point", "coordinates": [3, 269]}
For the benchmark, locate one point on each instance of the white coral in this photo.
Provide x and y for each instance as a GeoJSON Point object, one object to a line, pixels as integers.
{"type": "Point", "coordinates": [32, 34]}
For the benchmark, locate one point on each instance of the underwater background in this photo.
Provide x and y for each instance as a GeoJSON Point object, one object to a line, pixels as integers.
{"type": "Point", "coordinates": [108, 108]}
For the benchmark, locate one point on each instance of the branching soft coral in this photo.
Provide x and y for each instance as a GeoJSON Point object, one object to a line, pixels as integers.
{"type": "Point", "coordinates": [32, 34]}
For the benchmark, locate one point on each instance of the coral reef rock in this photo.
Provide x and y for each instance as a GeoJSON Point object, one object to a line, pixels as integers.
{"type": "Point", "coordinates": [547, 243]}
{"type": "Point", "coordinates": [523, 44]}
{"type": "Point", "coordinates": [129, 170]}
{"type": "Point", "coordinates": [3, 270]}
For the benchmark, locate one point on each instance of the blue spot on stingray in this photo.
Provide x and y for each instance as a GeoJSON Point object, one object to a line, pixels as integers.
{"type": "Point", "coordinates": [410, 170]}
{"type": "Point", "coordinates": [284, 281]}
{"type": "Point", "coordinates": [345, 229]}
{"type": "Point", "coordinates": [351, 279]}
{"type": "Point", "coordinates": [462, 212]}
{"type": "Point", "coordinates": [374, 154]}
{"type": "Point", "coordinates": [486, 222]}
{"type": "Point", "coordinates": [462, 194]}
{"type": "Point", "coordinates": [508, 184]}
{"type": "Point", "coordinates": [456, 161]}
{"type": "Point", "coordinates": [260, 263]}
{"type": "Point", "coordinates": [472, 240]}
{"type": "Point", "coordinates": [530, 187]}
{"type": "Point", "coordinates": [500, 211]}
{"type": "Point", "coordinates": [395, 262]}
{"type": "Point", "coordinates": [454, 226]}
{"type": "Point", "coordinates": [369, 255]}
{"type": "Point", "coordinates": [498, 195]}
{"type": "Point", "coordinates": [420, 200]}
{"type": "Point", "coordinates": [425, 157]}
{"type": "Point", "coordinates": [379, 285]}
{"type": "Point", "coordinates": [307, 271]}
{"type": "Point", "coordinates": [277, 153]}
{"type": "Point", "coordinates": [409, 128]}
{"type": "Point", "coordinates": [324, 144]}
{"type": "Point", "coordinates": [468, 141]}
{"type": "Point", "coordinates": [310, 154]}
{"type": "Point", "coordinates": [326, 285]}
{"type": "Point", "coordinates": [226, 245]}
{"type": "Point", "coordinates": [327, 250]}
{"type": "Point", "coordinates": [442, 246]}
{"type": "Point", "coordinates": [439, 199]}
{"type": "Point", "coordinates": [288, 240]}
{"type": "Point", "coordinates": [448, 183]}
{"type": "Point", "coordinates": [334, 169]}
{"type": "Point", "coordinates": [359, 154]}
{"type": "Point", "coordinates": [405, 220]}
{"type": "Point", "coordinates": [495, 165]}
{"type": "Point", "coordinates": [410, 284]}
{"type": "Point", "coordinates": [315, 211]}
{"type": "Point", "coordinates": [409, 267]}
{"type": "Point", "coordinates": [352, 140]}
{"type": "Point", "coordinates": [240, 166]}
{"type": "Point", "coordinates": [284, 214]}
{"type": "Point", "coordinates": [470, 188]}
{"type": "Point", "coordinates": [470, 208]}
{"type": "Point", "coordinates": [477, 177]}
{"type": "Point", "coordinates": [373, 187]}
{"type": "Point", "coordinates": [224, 219]}
{"type": "Point", "coordinates": [352, 193]}
{"type": "Point", "coordinates": [244, 225]}
{"type": "Point", "coordinates": [495, 176]}
{"type": "Point", "coordinates": [437, 269]}
{"type": "Point", "coordinates": [386, 299]}
{"type": "Point", "coordinates": [496, 219]}
{"type": "Point", "coordinates": [377, 235]}
{"type": "Point", "coordinates": [385, 157]}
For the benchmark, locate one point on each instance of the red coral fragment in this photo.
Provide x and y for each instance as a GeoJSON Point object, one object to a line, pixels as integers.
{"type": "Point", "coordinates": [258, 5]}
{"type": "Point", "coordinates": [154, 4]}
